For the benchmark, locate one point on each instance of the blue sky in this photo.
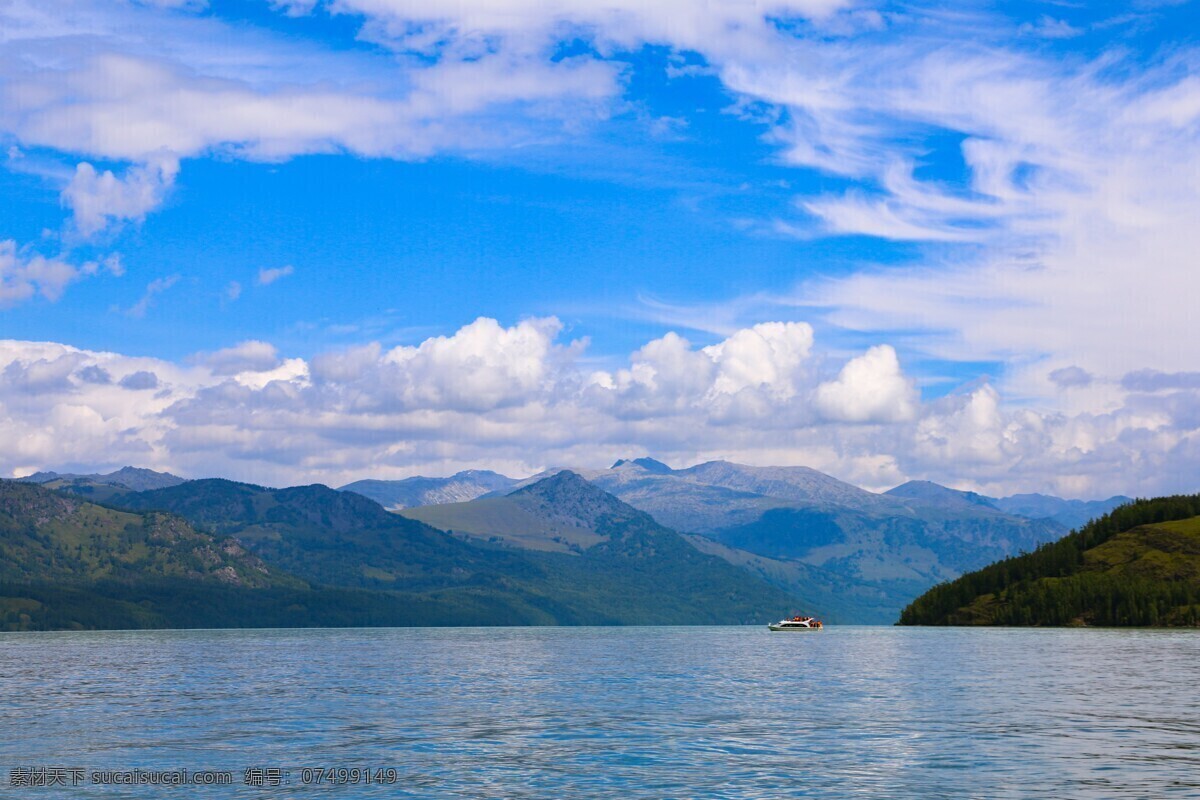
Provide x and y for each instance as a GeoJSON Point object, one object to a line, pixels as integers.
{"type": "Point", "coordinates": [585, 227]}
{"type": "Point", "coordinates": [975, 219]}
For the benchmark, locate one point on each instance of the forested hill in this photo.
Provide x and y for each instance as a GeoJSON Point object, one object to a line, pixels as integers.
{"type": "Point", "coordinates": [312, 556]}
{"type": "Point", "coordinates": [1137, 565]}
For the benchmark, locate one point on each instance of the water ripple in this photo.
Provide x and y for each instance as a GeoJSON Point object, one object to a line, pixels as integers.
{"type": "Point", "coordinates": [619, 712]}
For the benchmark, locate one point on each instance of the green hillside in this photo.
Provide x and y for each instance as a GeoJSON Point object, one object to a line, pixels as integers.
{"type": "Point", "coordinates": [611, 564]}
{"type": "Point", "coordinates": [45, 536]}
{"type": "Point", "coordinates": [506, 520]}
{"type": "Point", "coordinates": [224, 554]}
{"type": "Point", "coordinates": [1138, 565]}
{"type": "Point", "coordinates": [69, 563]}
{"type": "Point", "coordinates": [332, 538]}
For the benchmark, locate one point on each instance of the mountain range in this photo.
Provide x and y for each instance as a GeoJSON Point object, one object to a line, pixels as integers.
{"type": "Point", "coordinates": [460, 487]}
{"type": "Point", "coordinates": [314, 556]}
{"type": "Point", "coordinates": [133, 478]}
{"type": "Point", "coordinates": [859, 555]}
{"type": "Point", "coordinates": [640, 542]}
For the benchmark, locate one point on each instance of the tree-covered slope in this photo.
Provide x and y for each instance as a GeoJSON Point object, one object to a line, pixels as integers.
{"type": "Point", "coordinates": [331, 537]}
{"type": "Point", "coordinates": [174, 557]}
{"type": "Point", "coordinates": [47, 536]}
{"type": "Point", "coordinates": [1137, 565]}
{"type": "Point", "coordinates": [633, 571]}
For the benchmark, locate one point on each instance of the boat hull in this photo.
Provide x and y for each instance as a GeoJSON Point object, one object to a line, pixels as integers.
{"type": "Point", "coordinates": [791, 629]}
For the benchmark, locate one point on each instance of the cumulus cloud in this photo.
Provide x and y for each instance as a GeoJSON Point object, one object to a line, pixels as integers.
{"type": "Point", "coordinates": [769, 354]}
{"type": "Point", "coordinates": [21, 277]}
{"type": "Point", "coordinates": [94, 373]}
{"type": "Point", "coordinates": [345, 365]}
{"type": "Point", "coordinates": [267, 276]}
{"type": "Point", "coordinates": [24, 275]}
{"type": "Point", "coordinates": [139, 381]}
{"type": "Point", "coordinates": [99, 199]}
{"type": "Point", "coordinates": [752, 370]}
{"type": "Point", "coordinates": [41, 375]}
{"type": "Point", "coordinates": [870, 388]}
{"type": "Point", "coordinates": [1152, 380]}
{"type": "Point", "coordinates": [517, 398]}
{"type": "Point", "coordinates": [482, 366]}
{"type": "Point", "coordinates": [248, 356]}
{"type": "Point", "coordinates": [1071, 376]}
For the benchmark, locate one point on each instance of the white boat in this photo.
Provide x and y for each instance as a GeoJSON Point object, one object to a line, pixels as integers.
{"type": "Point", "coordinates": [796, 624]}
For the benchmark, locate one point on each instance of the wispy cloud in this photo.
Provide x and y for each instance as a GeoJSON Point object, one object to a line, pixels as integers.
{"type": "Point", "coordinates": [148, 298]}
{"type": "Point", "coordinates": [268, 275]}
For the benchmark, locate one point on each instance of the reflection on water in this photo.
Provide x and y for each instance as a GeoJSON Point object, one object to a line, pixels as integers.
{"type": "Point", "coordinates": [616, 712]}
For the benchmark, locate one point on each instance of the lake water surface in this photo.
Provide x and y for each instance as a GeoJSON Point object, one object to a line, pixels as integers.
{"type": "Point", "coordinates": [608, 712]}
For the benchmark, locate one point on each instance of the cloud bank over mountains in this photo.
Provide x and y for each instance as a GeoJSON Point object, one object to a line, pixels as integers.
{"type": "Point", "coordinates": [521, 398]}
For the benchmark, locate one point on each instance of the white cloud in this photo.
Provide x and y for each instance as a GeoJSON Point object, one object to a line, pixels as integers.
{"type": "Point", "coordinates": [482, 366]}
{"type": "Point", "coordinates": [139, 381]}
{"type": "Point", "coordinates": [146, 86]}
{"type": "Point", "coordinates": [1047, 27]}
{"type": "Point", "coordinates": [769, 354]}
{"type": "Point", "coordinates": [1078, 181]}
{"type": "Point", "coordinates": [469, 28]}
{"type": "Point", "coordinates": [1067, 243]}
{"type": "Point", "coordinates": [1063, 179]}
{"type": "Point", "coordinates": [23, 275]}
{"type": "Point", "coordinates": [345, 365]}
{"type": "Point", "coordinates": [1069, 377]}
{"type": "Point", "coordinates": [870, 388]}
{"type": "Point", "coordinates": [517, 399]}
{"type": "Point", "coordinates": [268, 275]}
{"type": "Point", "coordinates": [153, 290]}
{"type": "Point", "coordinates": [99, 199]}
{"type": "Point", "coordinates": [752, 370]}
{"type": "Point", "coordinates": [248, 356]}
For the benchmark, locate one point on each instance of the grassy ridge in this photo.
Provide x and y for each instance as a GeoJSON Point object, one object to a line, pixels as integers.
{"type": "Point", "coordinates": [1137, 565]}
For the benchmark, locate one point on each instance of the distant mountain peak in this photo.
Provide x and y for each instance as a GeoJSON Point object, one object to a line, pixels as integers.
{"type": "Point", "coordinates": [479, 473]}
{"type": "Point", "coordinates": [420, 491]}
{"type": "Point", "coordinates": [568, 495]}
{"type": "Point", "coordinates": [935, 492]}
{"type": "Point", "coordinates": [136, 478]}
{"type": "Point", "coordinates": [1070, 513]}
{"type": "Point", "coordinates": [562, 481]}
{"type": "Point", "coordinates": [40, 477]}
{"type": "Point", "coordinates": [646, 463]}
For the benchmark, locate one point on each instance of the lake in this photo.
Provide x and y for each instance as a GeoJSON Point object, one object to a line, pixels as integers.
{"type": "Point", "coordinates": [725, 712]}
